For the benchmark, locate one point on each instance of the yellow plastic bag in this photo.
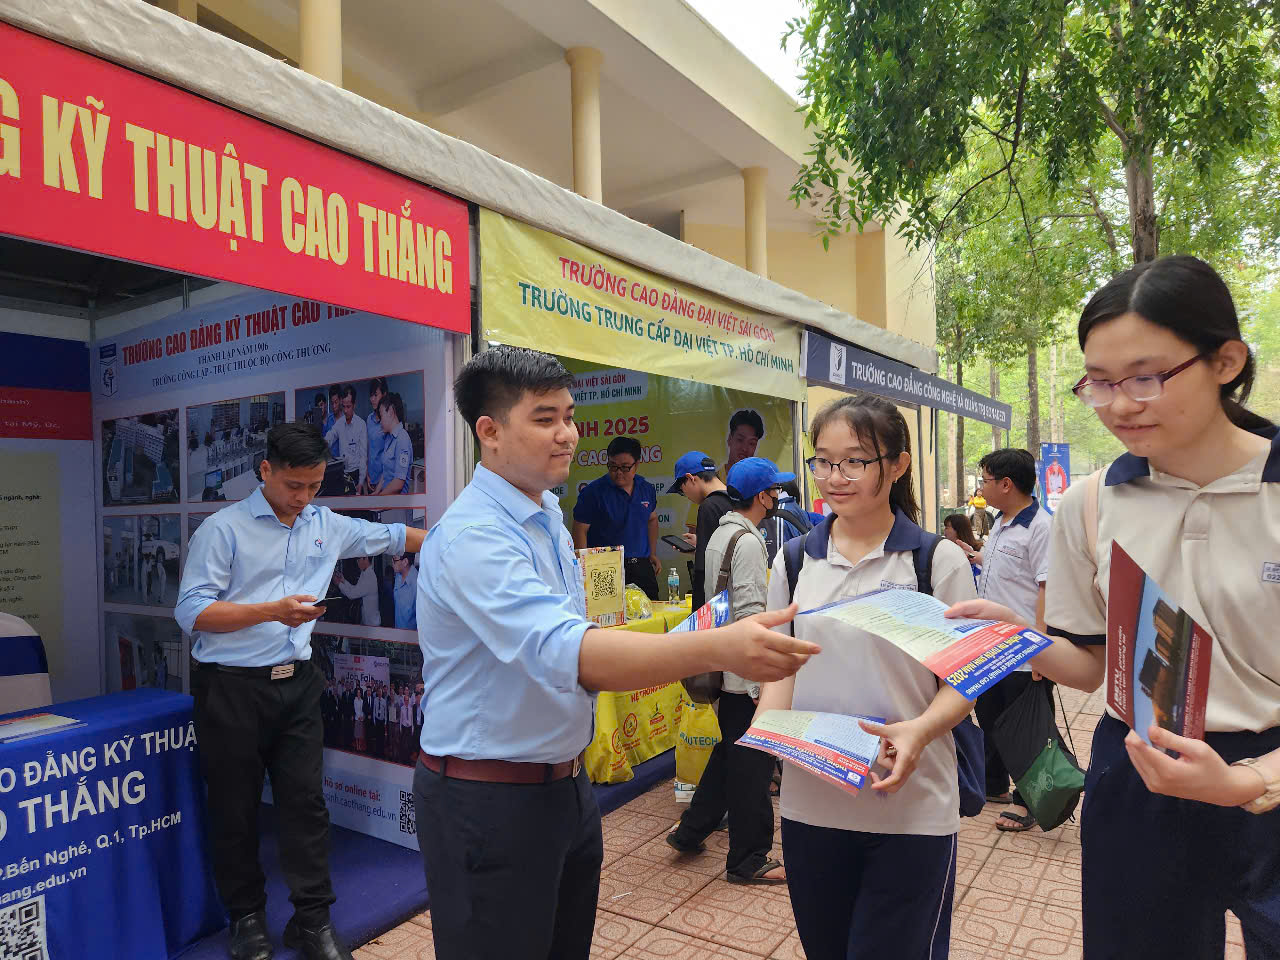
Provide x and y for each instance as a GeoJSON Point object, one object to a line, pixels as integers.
{"type": "Point", "coordinates": [698, 736]}
{"type": "Point", "coordinates": [638, 605]}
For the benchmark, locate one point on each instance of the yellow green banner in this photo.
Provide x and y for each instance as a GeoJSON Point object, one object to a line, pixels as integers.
{"type": "Point", "coordinates": [542, 291]}
{"type": "Point", "coordinates": [668, 417]}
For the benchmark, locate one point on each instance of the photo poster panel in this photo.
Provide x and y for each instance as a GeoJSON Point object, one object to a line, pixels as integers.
{"type": "Point", "coordinates": [46, 504]}
{"type": "Point", "coordinates": [668, 417]}
{"type": "Point", "coordinates": [182, 410]}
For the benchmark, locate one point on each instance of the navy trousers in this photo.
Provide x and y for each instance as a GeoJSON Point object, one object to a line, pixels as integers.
{"type": "Point", "coordinates": [870, 896]}
{"type": "Point", "coordinates": [1159, 873]}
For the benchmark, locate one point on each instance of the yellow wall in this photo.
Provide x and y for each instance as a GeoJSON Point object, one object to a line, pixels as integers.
{"type": "Point", "coordinates": [796, 260]}
{"type": "Point", "coordinates": [923, 452]}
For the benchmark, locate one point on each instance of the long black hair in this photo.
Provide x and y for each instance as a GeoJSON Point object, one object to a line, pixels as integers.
{"type": "Point", "coordinates": [879, 426]}
{"type": "Point", "coordinates": [1187, 297]}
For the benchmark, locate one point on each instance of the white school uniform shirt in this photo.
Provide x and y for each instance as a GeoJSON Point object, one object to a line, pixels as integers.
{"type": "Point", "coordinates": [1215, 550]}
{"type": "Point", "coordinates": [353, 444]}
{"type": "Point", "coordinates": [858, 673]}
{"type": "Point", "coordinates": [1015, 561]}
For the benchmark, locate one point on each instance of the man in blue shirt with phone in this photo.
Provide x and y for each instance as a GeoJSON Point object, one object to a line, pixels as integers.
{"type": "Point", "coordinates": [506, 819]}
{"type": "Point", "coordinates": [248, 598]}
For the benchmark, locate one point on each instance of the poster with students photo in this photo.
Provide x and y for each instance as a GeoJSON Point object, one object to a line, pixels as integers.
{"type": "Point", "coordinates": [140, 559]}
{"type": "Point", "coordinates": [140, 459]}
{"type": "Point", "coordinates": [363, 443]}
{"type": "Point", "coordinates": [377, 591]}
{"type": "Point", "coordinates": [226, 441]}
{"type": "Point", "coordinates": [145, 651]}
{"type": "Point", "coordinates": [372, 703]}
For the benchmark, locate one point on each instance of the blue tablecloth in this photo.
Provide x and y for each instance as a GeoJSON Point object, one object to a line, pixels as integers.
{"type": "Point", "coordinates": [102, 833]}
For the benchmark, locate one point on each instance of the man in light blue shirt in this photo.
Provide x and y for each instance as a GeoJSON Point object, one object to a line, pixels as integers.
{"type": "Point", "coordinates": [397, 450]}
{"type": "Point", "coordinates": [248, 597]}
{"type": "Point", "coordinates": [377, 438]}
{"type": "Point", "coordinates": [506, 820]}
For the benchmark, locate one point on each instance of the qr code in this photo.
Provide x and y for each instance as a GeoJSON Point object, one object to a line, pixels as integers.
{"type": "Point", "coordinates": [604, 583]}
{"type": "Point", "coordinates": [408, 819]}
{"type": "Point", "coordinates": [22, 935]}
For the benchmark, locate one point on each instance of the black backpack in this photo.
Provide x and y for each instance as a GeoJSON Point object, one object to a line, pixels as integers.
{"type": "Point", "coordinates": [971, 763]}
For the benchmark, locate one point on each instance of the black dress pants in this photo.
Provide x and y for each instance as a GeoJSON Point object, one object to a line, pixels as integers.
{"type": "Point", "coordinates": [735, 781]}
{"type": "Point", "coordinates": [513, 870]}
{"type": "Point", "coordinates": [249, 726]}
{"type": "Point", "coordinates": [988, 707]}
{"type": "Point", "coordinates": [639, 571]}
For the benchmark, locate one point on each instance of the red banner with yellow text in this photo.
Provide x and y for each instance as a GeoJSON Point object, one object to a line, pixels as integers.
{"type": "Point", "coordinates": [99, 158]}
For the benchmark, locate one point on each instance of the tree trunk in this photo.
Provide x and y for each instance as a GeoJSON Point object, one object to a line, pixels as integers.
{"type": "Point", "coordinates": [1033, 402]}
{"type": "Point", "coordinates": [953, 483]}
{"type": "Point", "coordinates": [995, 395]}
{"type": "Point", "coordinates": [1144, 229]}
{"type": "Point", "coordinates": [1055, 435]}
{"type": "Point", "coordinates": [961, 495]}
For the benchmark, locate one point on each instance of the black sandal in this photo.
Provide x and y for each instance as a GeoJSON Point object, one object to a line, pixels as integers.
{"type": "Point", "coordinates": [1021, 822]}
{"type": "Point", "coordinates": [758, 878]}
{"type": "Point", "coordinates": [674, 843]}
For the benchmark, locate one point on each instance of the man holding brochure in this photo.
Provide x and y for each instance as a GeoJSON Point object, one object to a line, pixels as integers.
{"type": "Point", "coordinates": [506, 818]}
{"type": "Point", "coordinates": [736, 780]}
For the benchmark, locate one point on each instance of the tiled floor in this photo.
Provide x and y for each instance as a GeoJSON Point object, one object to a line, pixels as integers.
{"type": "Point", "coordinates": [1017, 895]}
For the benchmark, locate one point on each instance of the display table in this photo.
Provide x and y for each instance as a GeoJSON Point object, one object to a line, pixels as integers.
{"type": "Point", "coordinates": [102, 833]}
{"type": "Point", "coordinates": [636, 725]}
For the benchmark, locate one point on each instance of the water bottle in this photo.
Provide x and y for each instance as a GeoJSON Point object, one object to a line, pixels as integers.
{"type": "Point", "coordinates": [673, 586]}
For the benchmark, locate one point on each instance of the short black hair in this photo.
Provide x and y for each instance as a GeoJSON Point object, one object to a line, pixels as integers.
{"type": "Point", "coordinates": [296, 445]}
{"type": "Point", "coordinates": [377, 383]}
{"type": "Point", "coordinates": [348, 391]}
{"type": "Point", "coordinates": [747, 418]}
{"type": "Point", "coordinates": [494, 381]}
{"type": "Point", "coordinates": [319, 398]}
{"type": "Point", "coordinates": [335, 391]}
{"type": "Point", "coordinates": [628, 445]}
{"type": "Point", "coordinates": [1018, 465]}
{"type": "Point", "coordinates": [393, 401]}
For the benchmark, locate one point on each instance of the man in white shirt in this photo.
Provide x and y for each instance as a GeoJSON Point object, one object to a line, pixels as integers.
{"type": "Point", "coordinates": [1015, 566]}
{"type": "Point", "coordinates": [393, 724]}
{"type": "Point", "coordinates": [365, 587]}
{"type": "Point", "coordinates": [736, 780]}
{"type": "Point", "coordinates": [351, 435]}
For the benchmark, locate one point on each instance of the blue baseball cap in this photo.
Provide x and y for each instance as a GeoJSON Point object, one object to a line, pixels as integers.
{"type": "Point", "coordinates": [694, 462]}
{"type": "Point", "coordinates": [755, 475]}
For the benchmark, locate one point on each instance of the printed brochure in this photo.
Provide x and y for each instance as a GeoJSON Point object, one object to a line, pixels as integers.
{"type": "Point", "coordinates": [34, 725]}
{"type": "Point", "coordinates": [1157, 656]}
{"type": "Point", "coordinates": [970, 655]}
{"type": "Point", "coordinates": [830, 745]}
{"type": "Point", "coordinates": [713, 613]}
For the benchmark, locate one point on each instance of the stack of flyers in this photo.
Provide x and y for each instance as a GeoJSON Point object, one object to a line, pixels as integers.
{"type": "Point", "coordinates": [830, 745]}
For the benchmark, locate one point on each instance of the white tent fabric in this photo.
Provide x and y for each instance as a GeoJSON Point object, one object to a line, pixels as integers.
{"type": "Point", "coordinates": [151, 41]}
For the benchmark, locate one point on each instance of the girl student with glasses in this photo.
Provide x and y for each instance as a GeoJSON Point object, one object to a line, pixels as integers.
{"type": "Point", "coordinates": [871, 874]}
{"type": "Point", "coordinates": [1171, 843]}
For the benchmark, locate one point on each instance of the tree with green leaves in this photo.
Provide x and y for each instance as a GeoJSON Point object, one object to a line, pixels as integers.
{"type": "Point", "coordinates": [901, 94]}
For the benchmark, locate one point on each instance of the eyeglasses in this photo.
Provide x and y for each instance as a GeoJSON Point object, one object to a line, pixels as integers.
{"type": "Point", "coordinates": [1142, 387]}
{"type": "Point", "coordinates": [851, 468]}
{"type": "Point", "coordinates": [619, 468]}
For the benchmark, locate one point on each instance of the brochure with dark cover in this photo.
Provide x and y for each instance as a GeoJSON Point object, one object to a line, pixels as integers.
{"type": "Point", "coordinates": [1157, 656]}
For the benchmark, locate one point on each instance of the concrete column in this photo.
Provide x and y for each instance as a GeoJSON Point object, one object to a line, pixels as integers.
{"type": "Point", "coordinates": [320, 33]}
{"type": "Point", "coordinates": [584, 90]}
{"type": "Point", "coordinates": [756, 223]}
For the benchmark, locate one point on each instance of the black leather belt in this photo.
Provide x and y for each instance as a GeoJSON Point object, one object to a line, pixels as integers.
{"type": "Point", "coordinates": [279, 671]}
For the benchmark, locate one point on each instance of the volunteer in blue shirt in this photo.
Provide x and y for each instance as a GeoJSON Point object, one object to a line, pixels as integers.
{"type": "Point", "coordinates": [397, 450]}
{"type": "Point", "coordinates": [377, 436]}
{"type": "Point", "coordinates": [406, 591]}
{"type": "Point", "coordinates": [506, 818]}
{"type": "Point", "coordinates": [621, 509]}
{"type": "Point", "coordinates": [248, 598]}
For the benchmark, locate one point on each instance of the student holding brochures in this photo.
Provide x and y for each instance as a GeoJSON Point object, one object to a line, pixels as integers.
{"type": "Point", "coordinates": [1170, 844]}
{"type": "Point", "coordinates": [872, 873]}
